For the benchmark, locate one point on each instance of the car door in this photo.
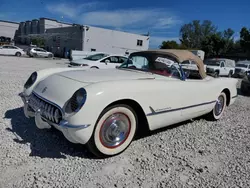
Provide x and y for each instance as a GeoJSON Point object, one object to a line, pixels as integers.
{"type": "Point", "coordinates": [43, 53]}
{"type": "Point", "coordinates": [163, 98]}
{"type": "Point", "coordinates": [115, 61]}
{"type": "Point", "coordinates": [223, 69]}
{"type": "Point", "coordinates": [12, 50]}
{"type": "Point", "coordinates": [39, 52]}
{"type": "Point", "coordinates": [199, 97]}
{"type": "Point", "coordinates": [109, 62]}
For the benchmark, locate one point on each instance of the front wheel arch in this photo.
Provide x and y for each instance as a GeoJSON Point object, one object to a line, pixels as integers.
{"type": "Point", "coordinates": [228, 95]}
{"type": "Point", "coordinates": [143, 125]}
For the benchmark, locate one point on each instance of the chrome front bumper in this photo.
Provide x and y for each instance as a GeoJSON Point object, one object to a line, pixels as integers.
{"type": "Point", "coordinates": [43, 122]}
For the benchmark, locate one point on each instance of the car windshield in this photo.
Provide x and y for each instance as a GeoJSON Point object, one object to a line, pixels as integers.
{"type": "Point", "coordinates": [242, 65]}
{"type": "Point", "coordinates": [154, 63]}
{"type": "Point", "coordinates": [95, 57]}
{"type": "Point", "coordinates": [213, 62]}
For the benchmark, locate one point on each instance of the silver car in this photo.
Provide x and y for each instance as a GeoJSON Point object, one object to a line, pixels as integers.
{"type": "Point", "coordinates": [39, 52]}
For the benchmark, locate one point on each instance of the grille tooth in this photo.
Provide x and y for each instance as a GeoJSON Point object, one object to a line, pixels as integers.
{"type": "Point", "coordinates": [47, 109]}
{"type": "Point", "coordinates": [52, 114]}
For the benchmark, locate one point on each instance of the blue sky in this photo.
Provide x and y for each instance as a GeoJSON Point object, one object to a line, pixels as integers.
{"type": "Point", "coordinates": [162, 19]}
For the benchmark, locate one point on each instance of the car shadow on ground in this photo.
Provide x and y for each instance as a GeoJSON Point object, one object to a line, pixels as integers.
{"type": "Point", "coordinates": [46, 143]}
{"type": "Point", "coordinates": [51, 143]}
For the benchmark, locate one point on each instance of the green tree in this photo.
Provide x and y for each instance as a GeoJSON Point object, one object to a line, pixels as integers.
{"type": "Point", "coordinates": [214, 44]}
{"type": "Point", "coordinates": [40, 42]}
{"type": "Point", "coordinates": [228, 40]}
{"type": "Point", "coordinates": [245, 39]}
{"type": "Point", "coordinates": [169, 45]}
{"type": "Point", "coordinates": [193, 34]}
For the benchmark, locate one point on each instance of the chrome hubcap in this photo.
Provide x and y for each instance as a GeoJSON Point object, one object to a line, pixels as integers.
{"type": "Point", "coordinates": [219, 105]}
{"type": "Point", "coordinates": [115, 130]}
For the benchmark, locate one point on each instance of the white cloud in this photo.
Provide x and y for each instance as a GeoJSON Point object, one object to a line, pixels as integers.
{"type": "Point", "coordinates": [133, 18]}
{"type": "Point", "coordinates": [70, 10]}
{"type": "Point", "coordinates": [89, 13]}
{"type": "Point", "coordinates": [155, 41]}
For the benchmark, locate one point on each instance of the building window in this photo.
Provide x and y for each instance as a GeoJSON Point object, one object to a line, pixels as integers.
{"type": "Point", "coordinates": [93, 50]}
{"type": "Point", "coordinates": [139, 42]}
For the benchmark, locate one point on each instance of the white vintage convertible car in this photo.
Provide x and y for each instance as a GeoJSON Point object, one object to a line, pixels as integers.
{"type": "Point", "coordinates": [105, 108]}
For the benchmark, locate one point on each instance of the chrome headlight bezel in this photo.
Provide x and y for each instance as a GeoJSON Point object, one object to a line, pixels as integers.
{"type": "Point", "coordinates": [76, 102]}
{"type": "Point", "coordinates": [31, 80]}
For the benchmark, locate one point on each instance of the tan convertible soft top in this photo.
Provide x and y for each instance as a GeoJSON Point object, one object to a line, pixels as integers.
{"type": "Point", "coordinates": [182, 55]}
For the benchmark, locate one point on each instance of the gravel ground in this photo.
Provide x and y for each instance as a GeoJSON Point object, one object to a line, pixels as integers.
{"type": "Point", "coordinates": [195, 154]}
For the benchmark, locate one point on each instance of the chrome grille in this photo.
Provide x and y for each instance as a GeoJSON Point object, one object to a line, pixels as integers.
{"type": "Point", "coordinates": [47, 110]}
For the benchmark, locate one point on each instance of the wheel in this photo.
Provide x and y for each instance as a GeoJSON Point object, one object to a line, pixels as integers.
{"type": "Point", "coordinates": [219, 108]}
{"type": "Point", "coordinates": [230, 74]}
{"type": "Point", "coordinates": [114, 131]}
{"type": "Point", "coordinates": [216, 74]}
{"type": "Point", "coordinates": [18, 54]}
{"type": "Point", "coordinates": [50, 56]}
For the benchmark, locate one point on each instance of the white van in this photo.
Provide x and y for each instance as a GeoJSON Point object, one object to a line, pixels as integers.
{"type": "Point", "coordinates": [242, 68]}
{"type": "Point", "coordinates": [220, 67]}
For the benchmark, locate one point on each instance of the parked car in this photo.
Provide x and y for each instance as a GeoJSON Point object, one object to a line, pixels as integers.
{"type": "Point", "coordinates": [220, 67]}
{"type": "Point", "coordinates": [99, 61]}
{"type": "Point", "coordinates": [105, 108]}
{"type": "Point", "coordinates": [11, 50]}
{"type": "Point", "coordinates": [39, 52]}
{"type": "Point", "coordinates": [242, 68]}
{"type": "Point", "coordinates": [245, 84]}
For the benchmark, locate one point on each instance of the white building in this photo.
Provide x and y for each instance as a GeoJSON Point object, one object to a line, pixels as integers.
{"type": "Point", "coordinates": [29, 28]}
{"type": "Point", "coordinates": [61, 37]}
{"type": "Point", "coordinates": [8, 29]}
{"type": "Point", "coordinates": [89, 38]}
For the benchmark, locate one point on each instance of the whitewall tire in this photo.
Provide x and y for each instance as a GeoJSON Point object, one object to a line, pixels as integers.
{"type": "Point", "coordinates": [114, 131]}
{"type": "Point", "coordinates": [219, 107]}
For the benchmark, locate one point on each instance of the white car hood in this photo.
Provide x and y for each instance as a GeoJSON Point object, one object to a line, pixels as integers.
{"type": "Point", "coordinates": [101, 75]}
{"type": "Point", "coordinates": [52, 87]}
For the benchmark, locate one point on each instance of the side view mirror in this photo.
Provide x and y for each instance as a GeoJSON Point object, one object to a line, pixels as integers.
{"type": "Point", "coordinates": [107, 61]}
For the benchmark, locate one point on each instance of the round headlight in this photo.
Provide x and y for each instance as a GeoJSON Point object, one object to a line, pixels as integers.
{"type": "Point", "coordinates": [77, 100]}
{"type": "Point", "coordinates": [31, 80]}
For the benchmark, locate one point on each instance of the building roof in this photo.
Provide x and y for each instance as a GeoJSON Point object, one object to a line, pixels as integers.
{"type": "Point", "coordinates": [9, 21]}
{"type": "Point", "coordinates": [55, 20]}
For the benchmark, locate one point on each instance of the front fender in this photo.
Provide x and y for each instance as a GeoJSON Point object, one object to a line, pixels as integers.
{"type": "Point", "coordinates": [42, 74]}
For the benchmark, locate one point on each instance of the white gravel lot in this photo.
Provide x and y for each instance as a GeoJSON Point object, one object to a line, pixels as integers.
{"type": "Point", "coordinates": [195, 154]}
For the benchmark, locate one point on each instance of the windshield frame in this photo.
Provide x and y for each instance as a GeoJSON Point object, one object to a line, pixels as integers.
{"type": "Point", "coordinates": [149, 57]}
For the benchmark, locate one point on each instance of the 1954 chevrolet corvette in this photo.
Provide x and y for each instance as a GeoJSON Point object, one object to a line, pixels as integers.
{"type": "Point", "coordinates": [104, 108]}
